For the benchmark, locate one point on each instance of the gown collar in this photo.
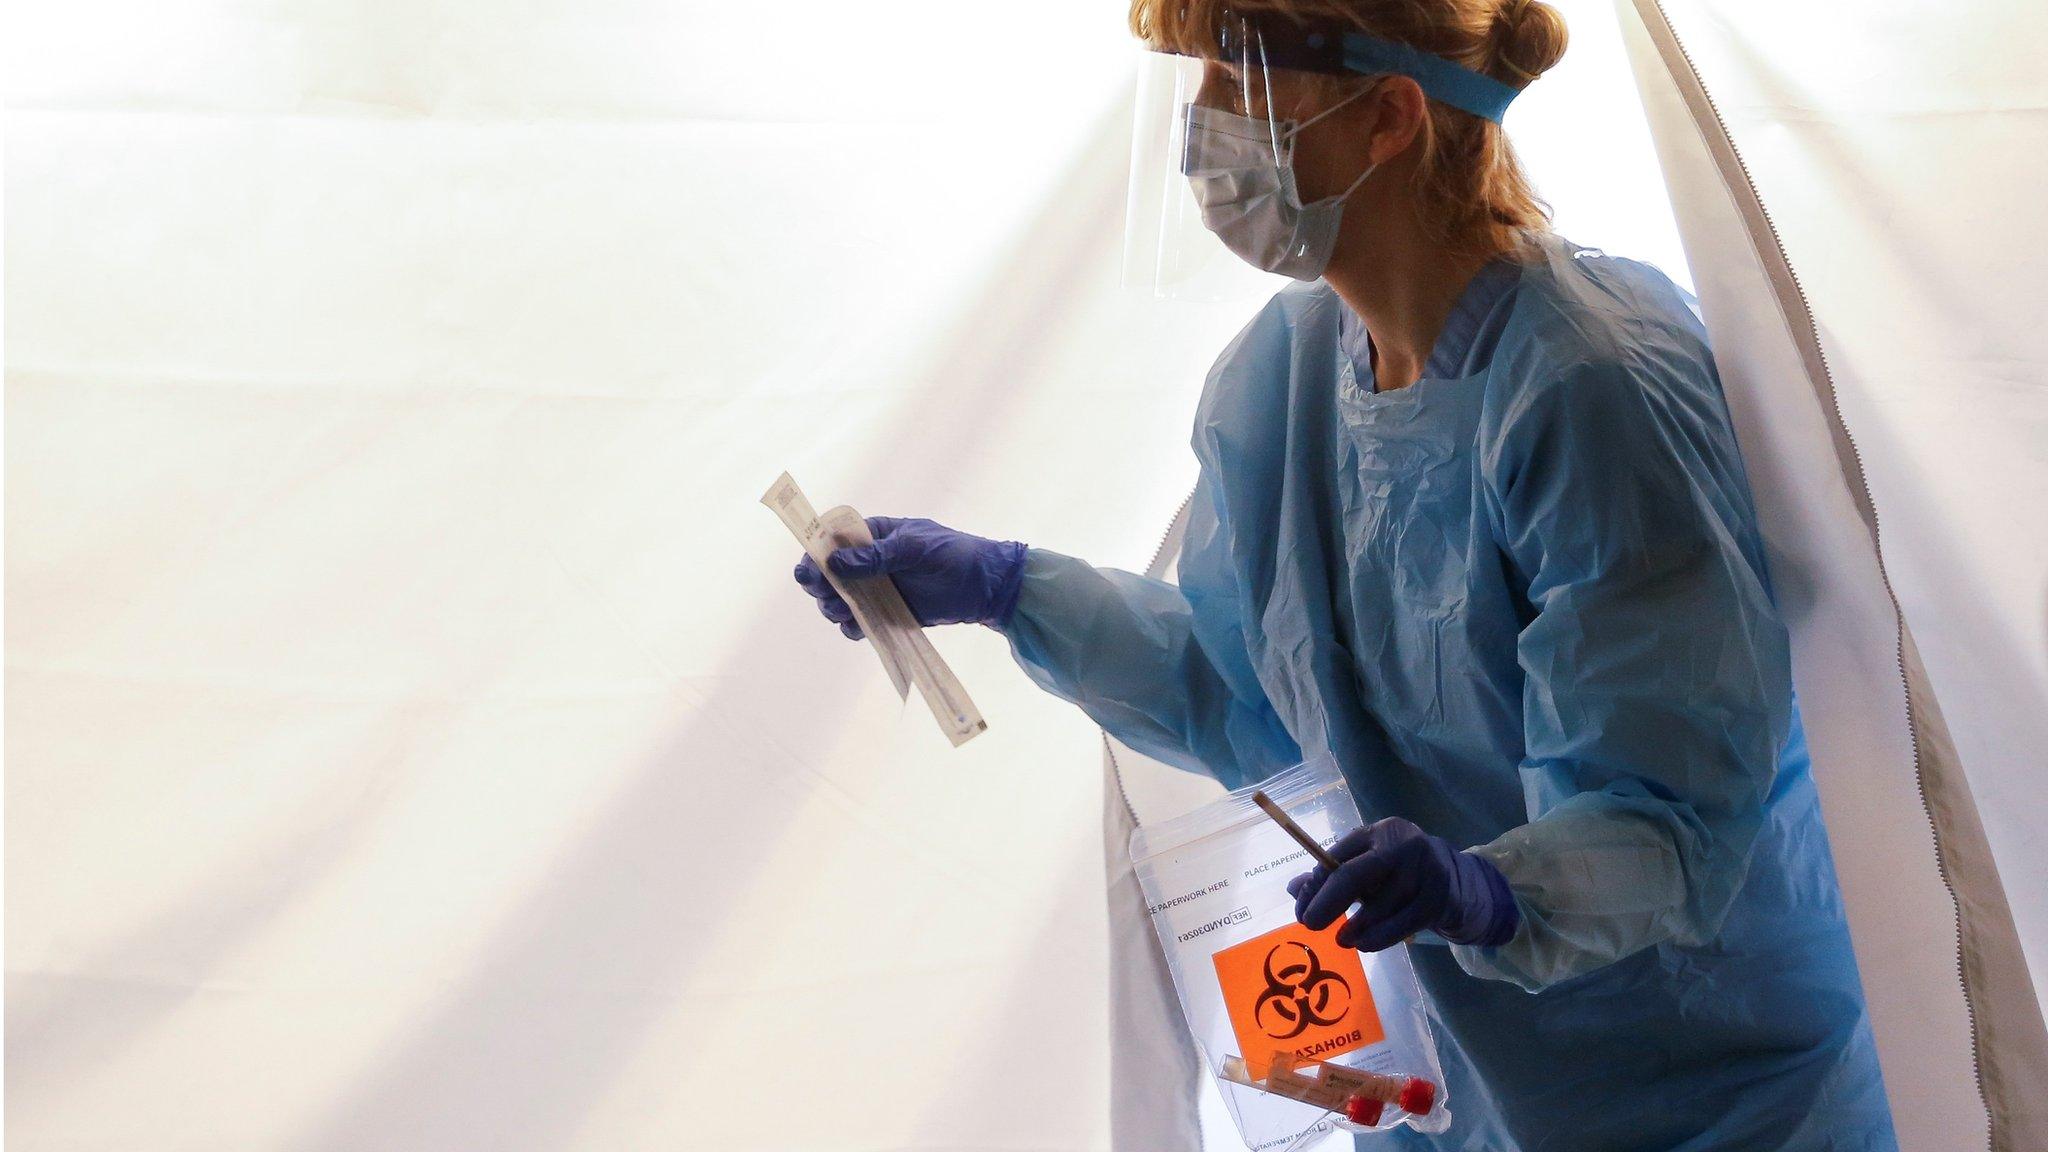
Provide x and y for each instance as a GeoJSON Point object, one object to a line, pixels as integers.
{"type": "Point", "coordinates": [1469, 333]}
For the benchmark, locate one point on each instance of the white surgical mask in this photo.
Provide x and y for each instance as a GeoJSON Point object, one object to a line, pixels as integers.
{"type": "Point", "coordinates": [1243, 178]}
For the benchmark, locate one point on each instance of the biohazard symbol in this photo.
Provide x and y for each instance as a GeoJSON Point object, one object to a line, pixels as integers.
{"type": "Point", "coordinates": [1298, 990]}
{"type": "Point", "coordinates": [1300, 993]}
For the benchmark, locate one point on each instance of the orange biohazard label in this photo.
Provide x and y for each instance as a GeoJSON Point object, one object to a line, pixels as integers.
{"type": "Point", "coordinates": [1296, 991]}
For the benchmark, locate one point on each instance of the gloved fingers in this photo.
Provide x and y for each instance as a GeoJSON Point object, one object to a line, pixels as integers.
{"type": "Point", "coordinates": [1353, 879]}
{"type": "Point", "coordinates": [812, 579]}
{"type": "Point", "coordinates": [1402, 888]}
{"type": "Point", "coordinates": [1356, 842]}
{"type": "Point", "coordinates": [1305, 886]}
{"type": "Point", "coordinates": [899, 544]}
{"type": "Point", "coordinates": [1308, 881]}
{"type": "Point", "coordinates": [862, 560]}
{"type": "Point", "coordinates": [834, 609]}
{"type": "Point", "coordinates": [1372, 935]}
{"type": "Point", "coordinates": [830, 604]}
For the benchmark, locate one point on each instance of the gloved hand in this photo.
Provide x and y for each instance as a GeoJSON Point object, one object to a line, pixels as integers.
{"type": "Point", "coordinates": [946, 577]}
{"type": "Point", "coordinates": [1405, 881]}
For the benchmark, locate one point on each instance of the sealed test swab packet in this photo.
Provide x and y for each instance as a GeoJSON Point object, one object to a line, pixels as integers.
{"type": "Point", "coordinates": [907, 655]}
{"type": "Point", "coordinates": [1279, 1012]}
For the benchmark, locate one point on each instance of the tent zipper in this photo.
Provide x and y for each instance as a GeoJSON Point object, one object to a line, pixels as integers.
{"type": "Point", "coordinates": [1165, 537]}
{"type": "Point", "coordinates": [1866, 504]}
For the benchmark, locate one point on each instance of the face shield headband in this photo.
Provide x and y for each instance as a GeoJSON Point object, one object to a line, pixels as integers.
{"type": "Point", "coordinates": [1277, 43]}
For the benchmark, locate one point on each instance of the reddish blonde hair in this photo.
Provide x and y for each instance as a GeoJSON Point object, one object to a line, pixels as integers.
{"type": "Point", "coordinates": [1474, 192]}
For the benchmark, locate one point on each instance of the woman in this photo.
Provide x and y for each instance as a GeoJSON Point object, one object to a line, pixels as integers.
{"type": "Point", "coordinates": [1471, 518]}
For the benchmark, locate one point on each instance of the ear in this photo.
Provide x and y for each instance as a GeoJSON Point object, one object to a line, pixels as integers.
{"type": "Point", "coordinates": [1397, 107]}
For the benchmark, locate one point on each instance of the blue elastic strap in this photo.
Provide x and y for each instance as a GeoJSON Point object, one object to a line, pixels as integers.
{"type": "Point", "coordinates": [1460, 87]}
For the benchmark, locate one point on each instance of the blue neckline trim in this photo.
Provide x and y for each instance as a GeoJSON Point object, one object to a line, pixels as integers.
{"type": "Point", "coordinates": [1456, 345]}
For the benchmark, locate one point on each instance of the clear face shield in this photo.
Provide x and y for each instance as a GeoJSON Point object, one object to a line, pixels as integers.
{"type": "Point", "coordinates": [1214, 134]}
{"type": "Point", "coordinates": [1214, 210]}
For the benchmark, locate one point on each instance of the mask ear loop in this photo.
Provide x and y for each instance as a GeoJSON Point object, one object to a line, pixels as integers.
{"type": "Point", "coordinates": [1369, 168]}
{"type": "Point", "coordinates": [1367, 90]}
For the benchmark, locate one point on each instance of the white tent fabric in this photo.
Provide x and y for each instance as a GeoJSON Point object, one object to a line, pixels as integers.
{"type": "Point", "coordinates": [415, 741]}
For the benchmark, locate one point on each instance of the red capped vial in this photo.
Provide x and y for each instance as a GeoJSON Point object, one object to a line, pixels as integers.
{"type": "Point", "coordinates": [1363, 1110]}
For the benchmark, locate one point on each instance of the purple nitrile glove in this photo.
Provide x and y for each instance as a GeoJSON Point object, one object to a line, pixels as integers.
{"type": "Point", "coordinates": [946, 576]}
{"type": "Point", "coordinates": [1405, 881]}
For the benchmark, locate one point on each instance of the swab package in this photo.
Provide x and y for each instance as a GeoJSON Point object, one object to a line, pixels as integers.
{"type": "Point", "coordinates": [878, 607]}
{"type": "Point", "coordinates": [1303, 1036]}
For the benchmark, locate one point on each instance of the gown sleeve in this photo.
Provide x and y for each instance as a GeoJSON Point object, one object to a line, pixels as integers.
{"type": "Point", "coordinates": [1658, 691]}
{"type": "Point", "coordinates": [1162, 667]}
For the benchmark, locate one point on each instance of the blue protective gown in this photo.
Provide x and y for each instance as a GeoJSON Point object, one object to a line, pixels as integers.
{"type": "Point", "coordinates": [1524, 604]}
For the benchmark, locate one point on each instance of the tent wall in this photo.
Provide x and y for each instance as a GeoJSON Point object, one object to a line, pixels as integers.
{"type": "Point", "coordinates": [415, 738]}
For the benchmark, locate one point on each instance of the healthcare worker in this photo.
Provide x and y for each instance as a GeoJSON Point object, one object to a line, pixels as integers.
{"type": "Point", "coordinates": [1471, 519]}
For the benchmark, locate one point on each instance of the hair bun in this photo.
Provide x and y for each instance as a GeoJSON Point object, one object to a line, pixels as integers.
{"type": "Point", "coordinates": [1529, 39]}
